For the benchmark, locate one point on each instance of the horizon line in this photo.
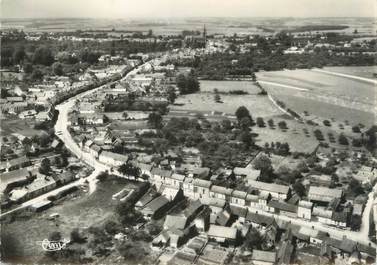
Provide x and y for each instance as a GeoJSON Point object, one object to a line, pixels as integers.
{"type": "Point", "coordinates": [186, 17]}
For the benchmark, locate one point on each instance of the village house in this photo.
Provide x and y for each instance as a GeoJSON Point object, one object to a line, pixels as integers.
{"type": "Point", "coordinates": [315, 237]}
{"type": "Point", "coordinates": [41, 184]}
{"type": "Point", "coordinates": [258, 220]}
{"type": "Point", "coordinates": [13, 179]}
{"type": "Point", "coordinates": [95, 150]}
{"type": "Point", "coordinates": [112, 159]}
{"type": "Point", "coordinates": [193, 210]}
{"type": "Point", "coordinates": [188, 187]}
{"type": "Point", "coordinates": [263, 202]}
{"type": "Point", "coordinates": [201, 222]}
{"type": "Point", "coordinates": [283, 208]}
{"type": "Point", "coordinates": [324, 195]}
{"type": "Point", "coordinates": [323, 215]}
{"type": "Point", "coordinates": [64, 177]}
{"type": "Point", "coordinates": [248, 173]}
{"type": "Point", "coordinates": [145, 199]}
{"type": "Point", "coordinates": [222, 218]}
{"type": "Point", "coordinates": [220, 192]}
{"type": "Point", "coordinates": [221, 234]}
{"type": "Point", "coordinates": [240, 212]}
{"type": "Point", "coordinates": [14, 164]}
{"type": "Point", "coordinates": [366, 174]}
{"type": "Point", "coordinates": [162, 240]}
{"type": "Point", "coordinates": [277, 191]}
{"type": "Point", "coordinates": [176, 180]}
{"type": "Point", "coordinates": [213, 255]}
{"type": "Point", "coordinates": [86, 144]}
{"type": "Point", "coordinates": [285, 252]}
{"type": "Point", "coordinates": [252, 202]}
{"type": "Point", "coordinates": [260, 257]}
{"type": "Point", "coordinates": [201, 188]}
{"type": "Point", "coordinates": [238, 198]}
{"type": "Point", "coordinates": [41, 205]}
{"type": "Point", "coordinates": [91, 119]}
{"type": "Point", "coordinates": [340, 219]}
{"type": "Point", "coordinates": [159, 176]}
{"type": "Point", "coordinates": [304, 210]}
{"type": "Point", "coordinates": [170, 192]}
{"type": "Point", "coordinates": [176, 227]}
{"type": "Point", "coordinates": [320, 180]}
{"type": "Point", "coordinates": [145, 169]}
{"type": "Point", "coordinates": [155, 208]}
{"type": "Point", "coordinates": [216, 205]}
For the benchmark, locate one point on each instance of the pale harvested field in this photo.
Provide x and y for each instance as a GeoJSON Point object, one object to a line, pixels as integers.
{"type": "Point", "coordinates": [326, 96]}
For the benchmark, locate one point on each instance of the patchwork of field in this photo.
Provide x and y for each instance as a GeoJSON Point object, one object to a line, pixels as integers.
{"type": "Point", "coordinates": [323, 95]}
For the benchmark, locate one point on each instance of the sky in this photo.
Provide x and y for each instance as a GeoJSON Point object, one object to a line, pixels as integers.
{"type": "Point", "coordinates": [186, 8]}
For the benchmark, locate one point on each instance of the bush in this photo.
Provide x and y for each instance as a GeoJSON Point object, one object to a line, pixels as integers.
{"type": "Point", "coordinates": [343, 139]}
{"type": "Point", "coordinates": [356, 129]}
{"type": "Point", "coordinates": [76, 236]}
{"type": "Point", "coordinates": [327, 123]}
{"type": "Point", "coordinates": [282, 125]}
{"type": "Point", "coordinates": [260, 122]}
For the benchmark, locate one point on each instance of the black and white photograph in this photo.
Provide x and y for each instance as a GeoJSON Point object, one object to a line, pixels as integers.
{"type": "Point", "coordinates": [188, 132]}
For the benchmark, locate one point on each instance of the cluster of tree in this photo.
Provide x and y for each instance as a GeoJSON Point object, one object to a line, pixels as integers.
{"type": "Point", "coordinates": [187, 84]}
{"type": "Point", "coordinates": [244, 117]}
{"type": "Point", "coordinates": [278, 148]}
{"type": "Point", "coordinates": [218, 66]}
{"type": "Point", "coordinates": [127, 214]}
{"type": "Point", "coordinates": [155, 120]}
{"type": "Point", "coordinates": [130, 169]}
{"type": "Point", "coordinates": [132, 103]}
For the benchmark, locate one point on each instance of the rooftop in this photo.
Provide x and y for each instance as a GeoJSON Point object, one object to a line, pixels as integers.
{"type": "Point", "coordinates": [270, 187]}
{"type": "Point", "coordinates": [267, 256]}
{"type": "Point", "coordinates": [115, 156]}
{"type": "Point", "coordinates": [283, 206]}
{"type": "Point", "coordinates": [161, 172]}
{"type": "Point", "coordinates": [221, 190]}
{"type": "Point", "coordinates": [324, 192]}
{"type": "Point", "coordinates": [175, 222]}
{"type": "Point", "coordinates": [157, 203]}
{"type": "Point", "coordinates": [202, 183]}
{"type": "Point", "coordinates": [222, 231]}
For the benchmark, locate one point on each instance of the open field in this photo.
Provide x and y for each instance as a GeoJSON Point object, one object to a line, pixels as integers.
{"type": "Point", "coordinates": [362, 71]}
{"type": "Point", "coordinates": [257, 105]}
{"type": "Point", "coordinates": [174, 26]}
{"type": "Point", "coordinates": [75, 212]}
{"type": "Point", "coordinates": [301, 137]}
{"type": "Point", "coordinates": [227, 86]}
{"type": "Point", "coordinates": [325, 96]}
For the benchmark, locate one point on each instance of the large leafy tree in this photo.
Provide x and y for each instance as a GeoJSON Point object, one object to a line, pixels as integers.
{"type": "Point", "coordinates": [43, 55]}
{"type": "Point", "coordinates": [155, 120]}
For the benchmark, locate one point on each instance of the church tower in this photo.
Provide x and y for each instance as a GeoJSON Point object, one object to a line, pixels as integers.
{"type": "Point", "coordinates": [204, 33]}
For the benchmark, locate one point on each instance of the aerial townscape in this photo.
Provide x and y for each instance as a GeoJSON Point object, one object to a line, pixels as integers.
{"type": "Point", "coordinates": [190, 141]}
